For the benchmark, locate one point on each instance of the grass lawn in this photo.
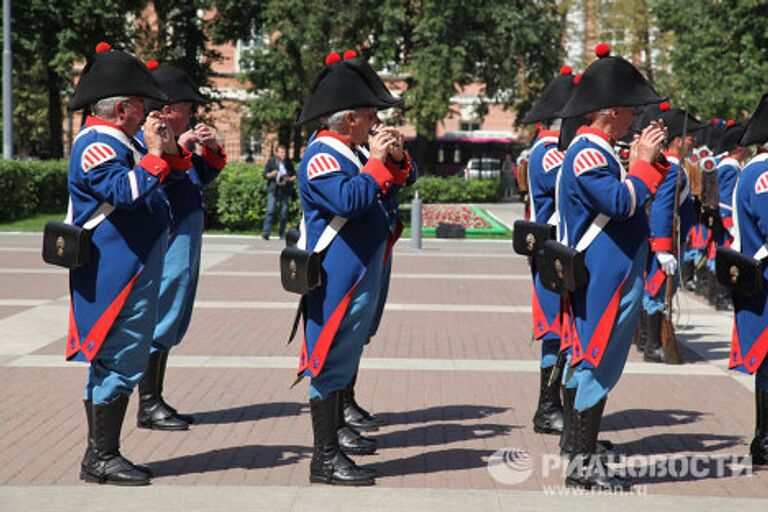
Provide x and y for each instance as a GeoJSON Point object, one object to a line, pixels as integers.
{"type": "Point", "coordinates": [37, 222]}
{"type": "Point", "coordinates": [34, 223]}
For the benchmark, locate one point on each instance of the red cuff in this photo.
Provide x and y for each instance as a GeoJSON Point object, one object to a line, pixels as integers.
{"type": "Point", "coordinates": [155, 166]}
{"type": "Point", "coordinates": [400, 170]}
{"type": "Point", "coordinates": [727, 222]}
{"type": "Point", "coordinates": [216, 158]}
{"type": "Point", "coordinates": [661, 244]}
{"type": "Point", "coordinates": [650, 175]}
{"type": "Point", "coordinates": [376, 169]}
{"type": "Point", "coordinates": [180, 162]}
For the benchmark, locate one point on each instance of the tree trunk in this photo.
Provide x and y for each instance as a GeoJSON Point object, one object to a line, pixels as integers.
{"type": "Point", "coordinates": [55, 119]}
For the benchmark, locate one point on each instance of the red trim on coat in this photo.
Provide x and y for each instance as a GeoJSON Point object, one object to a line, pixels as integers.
{"type": "Point", "coordinates": [650, 175]}
{"type": "Point", "coordinates": [727, 222]}
{"type": "Point", "coordinates": [376, 169]}
{"type": "Point", "coordinates": [73, 337]}
{"type": "Point", "coordinates": [653, 284]}
{"type": "Point", "coordinates": [661, 244]}
{"type": "Point", "coordinates": [155, 166]}
{"type": "Point", "coordinates": [95, 339]}
{"type": "Point", "coordinates": [180, 162]}
{"type": "Point", "coordinates": [540, 324]}
{"type": "Point", "coordinates": [594, 131]}
{"type": "Point", "coordinates": [756, 354]}
{"type": "Point", "coordinates": [324, 340]}
{"type": "Point", "coordinates": [97, 121]}
{"type": "Point", "coordinates": [601, 335]}
{"type": "Point", "coordinates": [548, 133]}
{"type": "Point", "coordinates": [216, 158]}
{"type": "Point", "coordinates": [567, 331]}
{"type": "Point", "coordinates": [329, 133]}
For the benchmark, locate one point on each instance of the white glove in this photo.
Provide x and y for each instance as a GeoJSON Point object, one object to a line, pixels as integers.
{"type": "Point", "coordinates": [667, 262]}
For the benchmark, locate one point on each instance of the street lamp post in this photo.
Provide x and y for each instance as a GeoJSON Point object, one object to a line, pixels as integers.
{"type": "Point", "coordinates": [7, 84]}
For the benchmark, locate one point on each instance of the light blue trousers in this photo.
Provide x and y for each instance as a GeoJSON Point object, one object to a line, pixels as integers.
{"type": "Point", "coordinates": [123, 357]}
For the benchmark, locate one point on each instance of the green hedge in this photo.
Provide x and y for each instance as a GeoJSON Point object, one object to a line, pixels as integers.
{"type": "Point", "coordinates": [31, 187]}
{"type": "Point", "coordinates": [434, 189]}
{"type": "Point", "coordinates": [236, 201]}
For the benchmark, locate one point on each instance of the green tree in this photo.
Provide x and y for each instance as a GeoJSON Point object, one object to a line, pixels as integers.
{"type": "Point", "coordinates": [718, 55]}
{"type": "Point", "coordinates": [48, 38]}
{"type": "Point", "coordinates": [512, 47]}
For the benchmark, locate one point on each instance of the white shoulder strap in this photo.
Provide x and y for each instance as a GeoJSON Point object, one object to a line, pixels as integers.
{"type": "Point", "coordinates": [115, 134]}
{"type": "Point", "coordinates": [337, 222]}
{"type": "Point", "coordinates": [96, 218]}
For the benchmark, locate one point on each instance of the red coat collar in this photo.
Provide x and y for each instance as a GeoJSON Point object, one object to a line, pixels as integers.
{"type": "Point", "coordinates": [328, 133]}
{"type": "Point", "coordinates": [593, 131]}
{"type": "Point", "coordinates": [549, 133]}
{"type": "Point", "coordinates": [97, 121]}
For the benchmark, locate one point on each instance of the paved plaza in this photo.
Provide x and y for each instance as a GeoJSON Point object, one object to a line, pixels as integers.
{"type": "Point", "coordinates": [452, 371]}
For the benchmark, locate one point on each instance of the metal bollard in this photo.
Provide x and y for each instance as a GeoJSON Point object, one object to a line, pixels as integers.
{"type": "Point", "coordinates": [416, 221]}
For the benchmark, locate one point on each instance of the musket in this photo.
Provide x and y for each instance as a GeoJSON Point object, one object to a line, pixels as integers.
{"type": "Point", "coordinates": [668, 338]}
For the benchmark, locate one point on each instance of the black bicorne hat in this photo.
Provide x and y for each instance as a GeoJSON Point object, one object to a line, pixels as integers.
{"type": "Point", "coordinates": [609, 82]}
{"type": "Point", "coordinates": [345, 84]}
{"type": "Point", "coordinates": [730, 138]}
{"type": "Point", "coordinates": [553, 98]}
{"type": "Point", "coordinates": [673, 118]}
{"type": "Point", "coordinates": [714, 133]}
{"type": "Point", "coordinates": [113, 73]}
{"type": "Point", "coordinates": [176, 84]}
{"type": "Point", "coordinates": [756, 131]}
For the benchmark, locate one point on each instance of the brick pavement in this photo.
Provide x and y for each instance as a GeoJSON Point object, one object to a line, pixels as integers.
{"type": "Point", "coordinates": [439, 383]}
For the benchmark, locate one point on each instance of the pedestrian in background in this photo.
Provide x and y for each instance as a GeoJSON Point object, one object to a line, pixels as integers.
{"type": "Point", "coordinates": [280, 176]}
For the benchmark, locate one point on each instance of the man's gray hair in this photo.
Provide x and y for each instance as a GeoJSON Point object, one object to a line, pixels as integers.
{"type": "Point", "coordinates": [335, 119]}
{"type": "Point", "coordinates": [105, 107]}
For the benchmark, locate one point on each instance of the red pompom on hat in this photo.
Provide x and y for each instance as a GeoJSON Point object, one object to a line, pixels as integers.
{"type": "Point", "coordinates": [103, 47]}
{"type": "Point", "coordinates": [715, 120]}
{"type": "Point", "coordinates": [152, 65]}
{"type": "Point", "coordinates": [577, 79]}
{"type": "Point", "coordinates": [730, 122]}
{"type": "Point", "coordinates": [566, 70]}
{"type": "Point", "coordinates": [332, 58]}
{"type": "Point", "coordinates": [350, 54]}
{"type": "Point", "coordinates": [603, 50]}
{"type": "Point", "coordinates": [664, 106]}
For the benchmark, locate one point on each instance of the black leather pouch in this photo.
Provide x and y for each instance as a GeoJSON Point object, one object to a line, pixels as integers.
{"type": "Point", "coordinates": [739, 272]}
{"type": "Point", "coordinates": [300, 270]}
{"type": "Point", "coordinates": [66, 245]}
{"type": "Point", "coordinates": [561, 268]}
{"type": "Point", "coordinates": [529, 237]}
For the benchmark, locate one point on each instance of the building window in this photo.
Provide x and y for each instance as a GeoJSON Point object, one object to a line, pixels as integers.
{"type": "Point", "coordinates": [469, 126]}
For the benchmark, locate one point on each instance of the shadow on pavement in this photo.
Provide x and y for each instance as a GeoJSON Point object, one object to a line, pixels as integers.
{"type": "Point", "coordinates": [447, 413]}
{"type": "Point", "coordinates": [641, 418]}
{"type": "Point", "coordinates": [251, 412]}
{"type": "Point", "coordinates": [696, 442]}
{"type": "Point", "coordinates": [441, 433]}
{"type": "Point", "coordinates": [454, 459]}
{"type": "Point", "coordinates": [247, 457]}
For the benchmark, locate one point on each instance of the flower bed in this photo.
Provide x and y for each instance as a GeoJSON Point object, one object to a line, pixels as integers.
{"type": "Point", "coordinates": [433, 214]}
{"type": "Point", "coordinates": [475, 221]}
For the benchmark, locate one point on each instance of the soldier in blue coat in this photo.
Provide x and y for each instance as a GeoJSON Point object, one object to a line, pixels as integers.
{"type": "Point", "coordinates": [543, 169]}
{"type": "Point", "coordinates": [115, 189]}
{"type": "Point", "coordinates": [663, 264]}
{"type": "Point", "coordinates": [181, 266]}
{"type": "Point", "coordinates": [749, 345]}
{"type": "Point", "coordinates": [345, 219]}
{"type": "Point", "coordinates": [602, 215]}
{"type": "Point", "coordinates": [731, 158]}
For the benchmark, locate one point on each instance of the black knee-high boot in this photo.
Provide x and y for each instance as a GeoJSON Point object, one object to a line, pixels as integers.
{"type": "Point", "coordinates": [759, 447]}
{"type": "Point", "coordinates": [654, 352]}
{"type": "Point", "coordinates": [105, 464]}
{"type": "Point", "coordinates": [604, 447]}
{"type": "Point", "coordinates": [586, 468]}
{"type": "Point", "coordinates": [354, 415]}
{"type": "Point", "coordinates": [329, 464]}
{"type": "Point", "coordinates": [160, 380]}
{"type": "Point", "coordinates": [548, 418]}
{"type": "Point", "coordinates": [153, 412]}
{"type": "Point", "coordinates": [350, 440]}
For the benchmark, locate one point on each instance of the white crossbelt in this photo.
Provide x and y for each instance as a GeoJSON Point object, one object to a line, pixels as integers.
{"type": "Point", "coordinates": [337, 222]}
